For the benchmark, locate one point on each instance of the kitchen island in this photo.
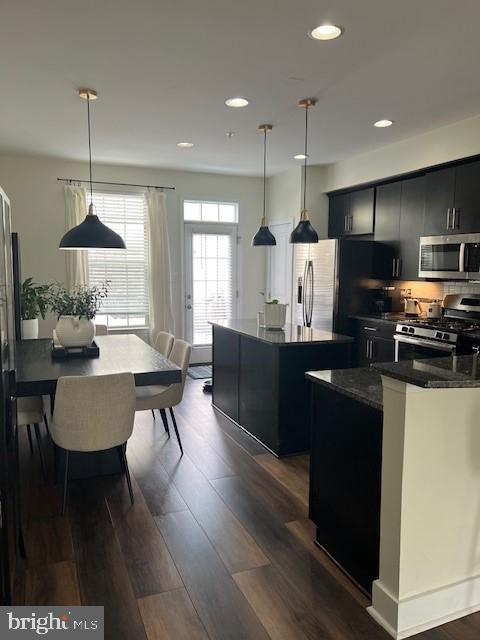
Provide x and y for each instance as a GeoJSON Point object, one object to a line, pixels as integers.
{"type": "Point", "coordinates": [259, 378]}
{"type": "Point", "coordinates": [345, 469]}
{"type": "Point", "coordinates": [429, 446]}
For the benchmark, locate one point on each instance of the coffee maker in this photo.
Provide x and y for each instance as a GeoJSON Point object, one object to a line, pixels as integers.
{"type": "Point", "coordinates": [384, 300]}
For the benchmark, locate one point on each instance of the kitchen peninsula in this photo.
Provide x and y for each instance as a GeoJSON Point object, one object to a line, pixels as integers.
{"type": "Point", "coordinates": [427, 442]}
{"type": "Point", "coordinates": [259, 378]}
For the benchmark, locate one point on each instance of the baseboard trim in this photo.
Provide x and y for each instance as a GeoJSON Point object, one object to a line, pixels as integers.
{"type": "Point", "coordinates": [405, 618]}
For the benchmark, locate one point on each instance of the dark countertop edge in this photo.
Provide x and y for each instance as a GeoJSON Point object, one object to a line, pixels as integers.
{"type": "Point", "coordinates": [341, 338]}
{"type": "Point", "coordinates": [345, 391]}
{"type": "Point", "coordinates": [466, 383]}
{"type": "Point", "coordinates": [365, 317]}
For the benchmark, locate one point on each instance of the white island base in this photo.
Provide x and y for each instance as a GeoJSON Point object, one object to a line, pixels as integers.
{"type": "Point", "coordinates": [430, 513]}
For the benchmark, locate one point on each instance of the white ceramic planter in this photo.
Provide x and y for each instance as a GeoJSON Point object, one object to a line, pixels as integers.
{"type": "Point", "coordinates": [75, 332]}
{"type": "Point", "coordinates": [30, 329]}
{"type": "Point", "coordinates": [275, 315]}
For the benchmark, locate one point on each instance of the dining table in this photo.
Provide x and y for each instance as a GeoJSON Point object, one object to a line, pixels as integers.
{"type": "Point", "coordinates": [37, 373]}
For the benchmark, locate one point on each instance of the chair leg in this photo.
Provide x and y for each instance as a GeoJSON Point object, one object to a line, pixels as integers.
{"type": "Point", "coordinates": [176, 429]}
{"type": "Point", "coordinates": [39, 443]}
{"type": "Point", "coordinates": [123, 457]}
{"type": "Point", "coordinates": [65, 483]}
{"type": "Point", "coordinates": [29, 434]}
{"type": "Point", "coordinates": [46, 423]}
{"type": "Point", "coordinates": [163, 413]}
{"type": "Point", "coordinates": [153, 414]}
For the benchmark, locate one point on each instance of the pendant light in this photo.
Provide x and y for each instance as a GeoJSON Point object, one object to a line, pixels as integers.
{"type": "Point", "coordinates": [91, 233]}
{"type": "Point", "coordinates": [304, 233]}
{"type": "Point", "coordinates": [264, 237]}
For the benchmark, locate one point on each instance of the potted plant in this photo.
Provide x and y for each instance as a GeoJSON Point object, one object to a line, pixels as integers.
{"type": "Point", "coordinates": [274, 314]}
{"type": "Point", "coordinates": [34, 302]}
{"type": "Point", "coordinates": [75, 311]}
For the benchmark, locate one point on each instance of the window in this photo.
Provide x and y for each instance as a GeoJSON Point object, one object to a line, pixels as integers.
{"type": "Point", "coordinates": [127, 303]}
{"type": "Point", "coordinates": [194, 211]}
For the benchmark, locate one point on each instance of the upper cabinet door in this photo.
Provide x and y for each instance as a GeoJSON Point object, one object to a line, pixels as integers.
{"type": "Point", "coordinates": [387, 221]}
{"type": "Point", "coordinates": [337, 215]}
{"type": "Point", "coordinates": [466, 212]}
{"type": "Point", "coordinates": [411, 225]}
{"type": "Point", "coordinates": [439, 202]}
{"type": "Point", "coordinates": [361, 212]}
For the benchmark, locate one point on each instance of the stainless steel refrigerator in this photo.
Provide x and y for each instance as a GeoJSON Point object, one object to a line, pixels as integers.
{"type": "Point", "coordinates": [332, 280]}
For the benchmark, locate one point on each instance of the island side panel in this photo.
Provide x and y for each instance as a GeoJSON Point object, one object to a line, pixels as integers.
{"type": "Point", "coordinates": [226, 361]}
{"type": "Point", "coordinates": [294, 389]}
{"type": "Point", "coordinates": [345, 481]}
{"type": "Point", "coordinates": [258, 391]}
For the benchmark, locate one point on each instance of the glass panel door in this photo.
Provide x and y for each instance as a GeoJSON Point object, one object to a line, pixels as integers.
{"type": "Point", "coordinates": [210, 291]}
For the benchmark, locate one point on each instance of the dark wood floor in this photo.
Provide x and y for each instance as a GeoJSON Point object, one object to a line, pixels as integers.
{"type": "Point", "coordinates": [217, 545]}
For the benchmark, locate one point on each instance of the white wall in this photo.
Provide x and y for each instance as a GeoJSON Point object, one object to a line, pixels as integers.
{"type": "Point", "coordinates": [458, 140]}
{"type": "Point", "coordinates": [38, 215]}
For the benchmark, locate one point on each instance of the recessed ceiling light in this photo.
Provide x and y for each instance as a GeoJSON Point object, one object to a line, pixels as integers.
{"type": "Point", "coordinates": [230, 134]}
{"type": "Point", "coordinates": [326, 32]}
{"type": "Point", "coordinates": [185, 145]}
{"type": "Point", "coordinates": [300, 156]}
{"type": "Point", "coordinates": [236, 103]}
{"type": "Point", "coordinates": [381, 124]}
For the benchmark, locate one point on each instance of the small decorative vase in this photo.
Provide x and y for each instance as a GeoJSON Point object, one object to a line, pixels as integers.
{"type": "Point", "coordinates": [275, 315]}
{"type": "Point", "coordinates": [30, 329]}
{"type": "Point", "coordinates": [75, 332]}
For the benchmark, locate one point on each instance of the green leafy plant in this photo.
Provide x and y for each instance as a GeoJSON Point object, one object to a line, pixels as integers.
{"type": "Point", "coordinates": [34, 299]}
{"type": "Point", "coordinates": [274, 301]}
{"type": "Point", "coordinates": [82, 302]}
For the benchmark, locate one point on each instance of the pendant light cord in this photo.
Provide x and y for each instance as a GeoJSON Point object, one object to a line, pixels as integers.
{"type": "Point", "coordinates": [89, 150]}
{"type": "Point", "coordinates": [305, 161]}
{"type": "Point", "coordinates": [264, 173]}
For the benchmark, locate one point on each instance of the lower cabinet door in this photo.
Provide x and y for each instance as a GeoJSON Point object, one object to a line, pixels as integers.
{"type": "Point", "coordinates": [226, 354]}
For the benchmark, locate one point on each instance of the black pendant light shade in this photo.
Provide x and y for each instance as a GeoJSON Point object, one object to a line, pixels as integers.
{"type": "Point", "coordinates": [304, 233]}
{"type": "Point", "coordinates": [264, 237]}
{"type": "Point", "coordinates": [91, 233]}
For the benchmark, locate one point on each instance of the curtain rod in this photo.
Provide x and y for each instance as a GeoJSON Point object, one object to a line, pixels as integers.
{"type": "Point", "coordinates": [118, 184]}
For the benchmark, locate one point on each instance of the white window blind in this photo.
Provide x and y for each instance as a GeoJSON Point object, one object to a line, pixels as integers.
{"type": "Point", "coordinates": [213, 269]}
{"type": "Point", "coordinates": [127, 271]}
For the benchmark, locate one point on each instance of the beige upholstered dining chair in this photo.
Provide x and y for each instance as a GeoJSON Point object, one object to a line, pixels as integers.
{"type": "Point", "coordinates": [94, 413]}
{"type": "Point", "coordinates": [30, 411]}
{"type": "Point", "coordinates": [164, 343]}
{"type": "Point", "coordinates": [167, 397]}
{"type": "Point", "coordinates": [101, 330]}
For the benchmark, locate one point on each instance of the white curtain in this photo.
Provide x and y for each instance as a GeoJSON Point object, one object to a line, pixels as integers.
{"type": "Point", "coordinates": [75, 212]}
{"type": "Point", "coordinates": [160, 273]}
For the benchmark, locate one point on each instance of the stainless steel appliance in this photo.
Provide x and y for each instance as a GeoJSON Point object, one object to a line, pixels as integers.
{"type": "Point", "coordinates": [338, 276]}
{"type": "Point", "coordinates": [457, 332]}
{"type": "Point", "coordinates": [455, 257]}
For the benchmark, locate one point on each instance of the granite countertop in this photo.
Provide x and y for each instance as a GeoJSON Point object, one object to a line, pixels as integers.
{"type": "Point", "coordinates": [364, 385]}
{"type": "Point", "coordinates": [291, 334]}
{"type": "Point", "coordinates": [435, 373]}
{"type": "Point", "coordinates": [391, 318]}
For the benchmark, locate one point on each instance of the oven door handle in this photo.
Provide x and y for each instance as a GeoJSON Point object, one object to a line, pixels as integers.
{"type": "Point", "coordinates": [440, 346]}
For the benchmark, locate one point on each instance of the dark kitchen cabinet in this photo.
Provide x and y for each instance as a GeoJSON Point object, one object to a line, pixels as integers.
{"type": "Point", "coordinates": [453, 200]}
{"type": "Point", "coordinates": [345, 481]}
{"type": "Point", "coordinates": [352, 213]}
{"type": "Point", "coordinates": [226, 354]}
{"type": "Point", "coordinates": [373, 341]}
{"type": "Point", "coordinates": [412, 215]}
{"type": "Point", "coordinates": [387, 222]}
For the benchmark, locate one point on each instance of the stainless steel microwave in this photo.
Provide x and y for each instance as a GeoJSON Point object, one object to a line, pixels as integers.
{"type": "Point", "coordinates": [455, 257]}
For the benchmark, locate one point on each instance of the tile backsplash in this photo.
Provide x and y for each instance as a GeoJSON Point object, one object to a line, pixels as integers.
{"type": "Point", "coordinates": [461, 287]}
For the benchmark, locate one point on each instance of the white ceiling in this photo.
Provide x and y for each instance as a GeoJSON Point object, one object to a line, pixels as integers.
{"type": "Point", "coordinates": [163, 69]}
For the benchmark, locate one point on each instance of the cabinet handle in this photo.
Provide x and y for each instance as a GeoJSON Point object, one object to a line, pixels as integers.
{"type": "Point", "coordinates": [399, 262]}
{"type": "Point", "coordinates": [345, 223]}
{"type": "Point", "coordinates": [367, 347]}
{"type": "Point", "coordinates": [456, 218]}
{"type": "Point", "coordinates": [369, 329]}
{"type": "Point", "coordinates": [371, 349]}
{"type": "Point", "coordinates": [449, 211]}
{"type": "Point", "coordinates": [393, 267]}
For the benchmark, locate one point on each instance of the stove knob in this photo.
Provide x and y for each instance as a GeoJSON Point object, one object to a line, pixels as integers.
{"type": "Point", "coordinates": [411, 330]}
{"type": "Point", "coordinates": [446, 336]}
{"type": "Point", "coordinates": [438, 334]}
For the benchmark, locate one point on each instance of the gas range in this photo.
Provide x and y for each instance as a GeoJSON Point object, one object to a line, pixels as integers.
{"type": "Point", "coordinates": [456, 332]}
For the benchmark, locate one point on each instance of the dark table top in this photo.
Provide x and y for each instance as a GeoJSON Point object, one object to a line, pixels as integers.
{"type": "Point", "coordinates": [37, 373]}
{"type": "Point", "coordinates": [435, 373]}
{"type": "Point", "coordinates": [291, 334]}
{"type": "Point", "coordinates": [364, 384]}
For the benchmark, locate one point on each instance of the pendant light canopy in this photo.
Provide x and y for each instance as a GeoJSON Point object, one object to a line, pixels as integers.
{"type": "Point", "coordinates": [91, 233]}
{"type": "Point", "coordinates": [264, 237]}
{"type": "Point", "coordinates": [304, 233]}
